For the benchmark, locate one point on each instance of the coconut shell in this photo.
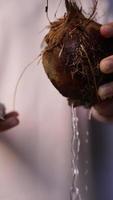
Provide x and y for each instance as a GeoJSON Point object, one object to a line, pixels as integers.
{"type": "Point", "coordinates": [72, 56]}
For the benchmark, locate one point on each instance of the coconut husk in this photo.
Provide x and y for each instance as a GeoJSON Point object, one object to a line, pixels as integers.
{"type": "Point", "coordinates": [72, 56]}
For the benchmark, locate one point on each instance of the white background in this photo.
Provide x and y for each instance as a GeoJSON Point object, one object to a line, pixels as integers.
{"type": "Point", "coordinates": [35, 156]}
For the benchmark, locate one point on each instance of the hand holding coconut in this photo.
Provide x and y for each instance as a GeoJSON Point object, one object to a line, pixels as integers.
{"type": "Point", "coordinates": [74, 60]}
{"type": "Point", "coordinates": [104, 110]}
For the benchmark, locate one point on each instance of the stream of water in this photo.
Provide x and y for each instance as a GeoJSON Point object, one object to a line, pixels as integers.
{"type": "Point", "coordinates": [75, 147]}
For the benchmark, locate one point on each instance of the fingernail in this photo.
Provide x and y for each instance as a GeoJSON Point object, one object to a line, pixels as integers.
{"type": "Point", "coordinates": [106, 65]}
{"type": "Point", "coordinates": [106, 91]}
{"type": "Point", "coordinates": [107, 30]}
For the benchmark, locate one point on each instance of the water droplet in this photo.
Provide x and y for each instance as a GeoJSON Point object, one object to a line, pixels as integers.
{"type": "Point", "coordinates": [77, 190]}
{"type": "Point", "coordinates": [86, 141]}
{"type": "Point", "coordinates": [86, 188]}
{"type": "Point", "coordinates": [87, 133]}
{"type": "Point", "coordinates": [76, 171]}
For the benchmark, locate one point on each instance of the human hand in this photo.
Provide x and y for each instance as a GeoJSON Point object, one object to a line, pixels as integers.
{"type": "Point", "coordinates": [104, 111]}
{"type": "Point", "coordinates": [8, 120]}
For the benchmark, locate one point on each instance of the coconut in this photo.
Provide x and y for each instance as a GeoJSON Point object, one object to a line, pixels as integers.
{"type": "Point", "coordinates": [72, 56]}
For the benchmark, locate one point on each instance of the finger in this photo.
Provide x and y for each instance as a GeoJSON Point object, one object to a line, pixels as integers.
{"type": "Point", "coordinates": [11, 114]}
{"type": "Point", "coordinates": [106, 91]}
{"type": "Point", "coordinates": [107, 30]}
{"type": "Point", "coordinates": [106, 65]}
{"type": "Point", "coordinates": [103, 112]}
{"type": "Point", "coordinates": [8, 123]}
{"type": "Point", "coordinates": [105, 108]}
{"type": "Point", "coordinates": [99, 117]}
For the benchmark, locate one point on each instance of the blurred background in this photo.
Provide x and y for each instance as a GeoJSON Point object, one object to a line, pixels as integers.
{"type": "Point", "coordinates": [35, 157]}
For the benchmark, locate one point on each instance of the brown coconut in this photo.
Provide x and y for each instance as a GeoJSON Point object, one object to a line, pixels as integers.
{"type": "Point", "coordinates": [72, 56]}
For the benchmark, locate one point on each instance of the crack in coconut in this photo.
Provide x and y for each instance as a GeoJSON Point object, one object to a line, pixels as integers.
{"type": "Point", "coordinates": [72, 56]}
